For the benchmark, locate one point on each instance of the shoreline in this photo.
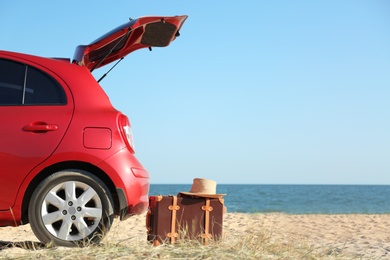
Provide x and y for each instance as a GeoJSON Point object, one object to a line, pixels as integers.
{"type": "Point", "coordinates": [347, 235]}
{"type": "Point", "coordinates": [298, 199]}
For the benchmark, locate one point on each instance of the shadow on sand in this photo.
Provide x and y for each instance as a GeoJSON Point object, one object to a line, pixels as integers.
{"type": "Point", "coordinates": [28, 245]}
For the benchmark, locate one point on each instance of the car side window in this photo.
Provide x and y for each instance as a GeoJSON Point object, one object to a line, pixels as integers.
{"type": "Point", "coordinates": [21, 84]}
{"type": "Point", "coordinates": [11, 82]}
{"type": "Point", "coordinates": [42, 89]}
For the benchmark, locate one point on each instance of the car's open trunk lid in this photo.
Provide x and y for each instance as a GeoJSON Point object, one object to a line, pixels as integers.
{"type": "Point", "coordinates": [144, 32]}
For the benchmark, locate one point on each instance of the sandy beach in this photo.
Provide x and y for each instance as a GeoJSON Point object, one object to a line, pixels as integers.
{"type": "Point", "coordinates": [346, 236]}
{"type": "Point", "coordinates": [362, 236]}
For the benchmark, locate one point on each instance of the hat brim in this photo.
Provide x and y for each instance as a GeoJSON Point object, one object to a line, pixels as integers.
{"type": "Point", "coordinates": [203, 195]}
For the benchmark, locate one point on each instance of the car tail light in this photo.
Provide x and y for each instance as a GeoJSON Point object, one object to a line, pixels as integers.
{"type": "Point", "coordinates": [127, 132]}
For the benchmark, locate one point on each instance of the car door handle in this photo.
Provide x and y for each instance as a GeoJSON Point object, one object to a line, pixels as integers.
{"type": "Point", "coordinates": [40, 127]}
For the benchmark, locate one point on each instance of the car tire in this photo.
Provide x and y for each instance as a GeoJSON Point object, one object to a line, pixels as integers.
{"type": "Point", "coordinates": [71, 208]}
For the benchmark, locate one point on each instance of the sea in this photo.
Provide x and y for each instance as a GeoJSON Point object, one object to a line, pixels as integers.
{"type": "Point", "coordinates": [296, 199]}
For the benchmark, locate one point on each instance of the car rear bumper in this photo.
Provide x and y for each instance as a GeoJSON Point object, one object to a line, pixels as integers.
{"type": "Point", "coordinates": [125, 210]}
{"type": "Point", "coordinates": [131, 182]}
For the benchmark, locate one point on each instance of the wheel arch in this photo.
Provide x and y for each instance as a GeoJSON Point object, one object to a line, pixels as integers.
{"type": "Point", "coordinates": [76, 165]}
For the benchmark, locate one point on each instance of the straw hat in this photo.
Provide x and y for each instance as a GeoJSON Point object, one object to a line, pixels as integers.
{"type": "Point", "coordinates": [203, 188]}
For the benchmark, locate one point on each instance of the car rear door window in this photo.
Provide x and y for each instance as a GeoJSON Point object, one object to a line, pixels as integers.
{"type": "Point", "coordinates": [11, 82]}
{"type": "Point", "coordinates": [21, 84]}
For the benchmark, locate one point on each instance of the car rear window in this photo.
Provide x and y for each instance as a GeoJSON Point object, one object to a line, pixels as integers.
{"type": "Point", "coordinates": [21, 84]}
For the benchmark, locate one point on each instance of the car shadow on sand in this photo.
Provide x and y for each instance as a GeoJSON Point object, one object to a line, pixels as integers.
{"type": "Point", "coordinates": [28, 245]}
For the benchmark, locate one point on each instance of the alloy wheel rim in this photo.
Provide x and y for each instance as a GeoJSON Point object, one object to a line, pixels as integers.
{"type": "Point", "coordinates": [71, 210]}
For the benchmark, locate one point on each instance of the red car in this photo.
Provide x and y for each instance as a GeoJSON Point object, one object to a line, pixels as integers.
{"type": "Point", "coordinates": [66, 154]}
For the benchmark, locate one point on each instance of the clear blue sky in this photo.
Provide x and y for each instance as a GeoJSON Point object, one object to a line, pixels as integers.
{"type": "Point", "coordinates": [281, 92]}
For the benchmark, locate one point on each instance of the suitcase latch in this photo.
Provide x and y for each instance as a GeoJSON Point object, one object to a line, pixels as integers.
{"type": "Point", "coordinates": [207, 208]}
{"type": "Point", "coordinates": [174, 207]}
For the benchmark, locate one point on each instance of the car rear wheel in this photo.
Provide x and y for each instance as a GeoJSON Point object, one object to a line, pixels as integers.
{"type": "Point", "coordinates": [71, 208]}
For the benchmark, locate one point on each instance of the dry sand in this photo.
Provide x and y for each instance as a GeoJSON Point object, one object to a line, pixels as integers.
{"type": "Point", "coordinates": [360, 236]}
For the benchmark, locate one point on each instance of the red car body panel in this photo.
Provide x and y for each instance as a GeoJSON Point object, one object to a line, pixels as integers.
{"type": "Point", "coordinates": [83, 111]}
{"type": "Point", "coordinates": [14, 140]}
{"type": "Point", "coordinates": [86, 133]}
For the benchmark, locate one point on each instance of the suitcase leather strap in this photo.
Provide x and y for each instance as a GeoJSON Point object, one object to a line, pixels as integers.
{"type": "Point", "coordinates": [174, 207]}
{"type": "Point", "coordinates": [207, 208]}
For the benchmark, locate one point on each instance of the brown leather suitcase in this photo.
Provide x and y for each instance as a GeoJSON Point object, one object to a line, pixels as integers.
{"type": "Point", "coordinates": [184, 217]}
